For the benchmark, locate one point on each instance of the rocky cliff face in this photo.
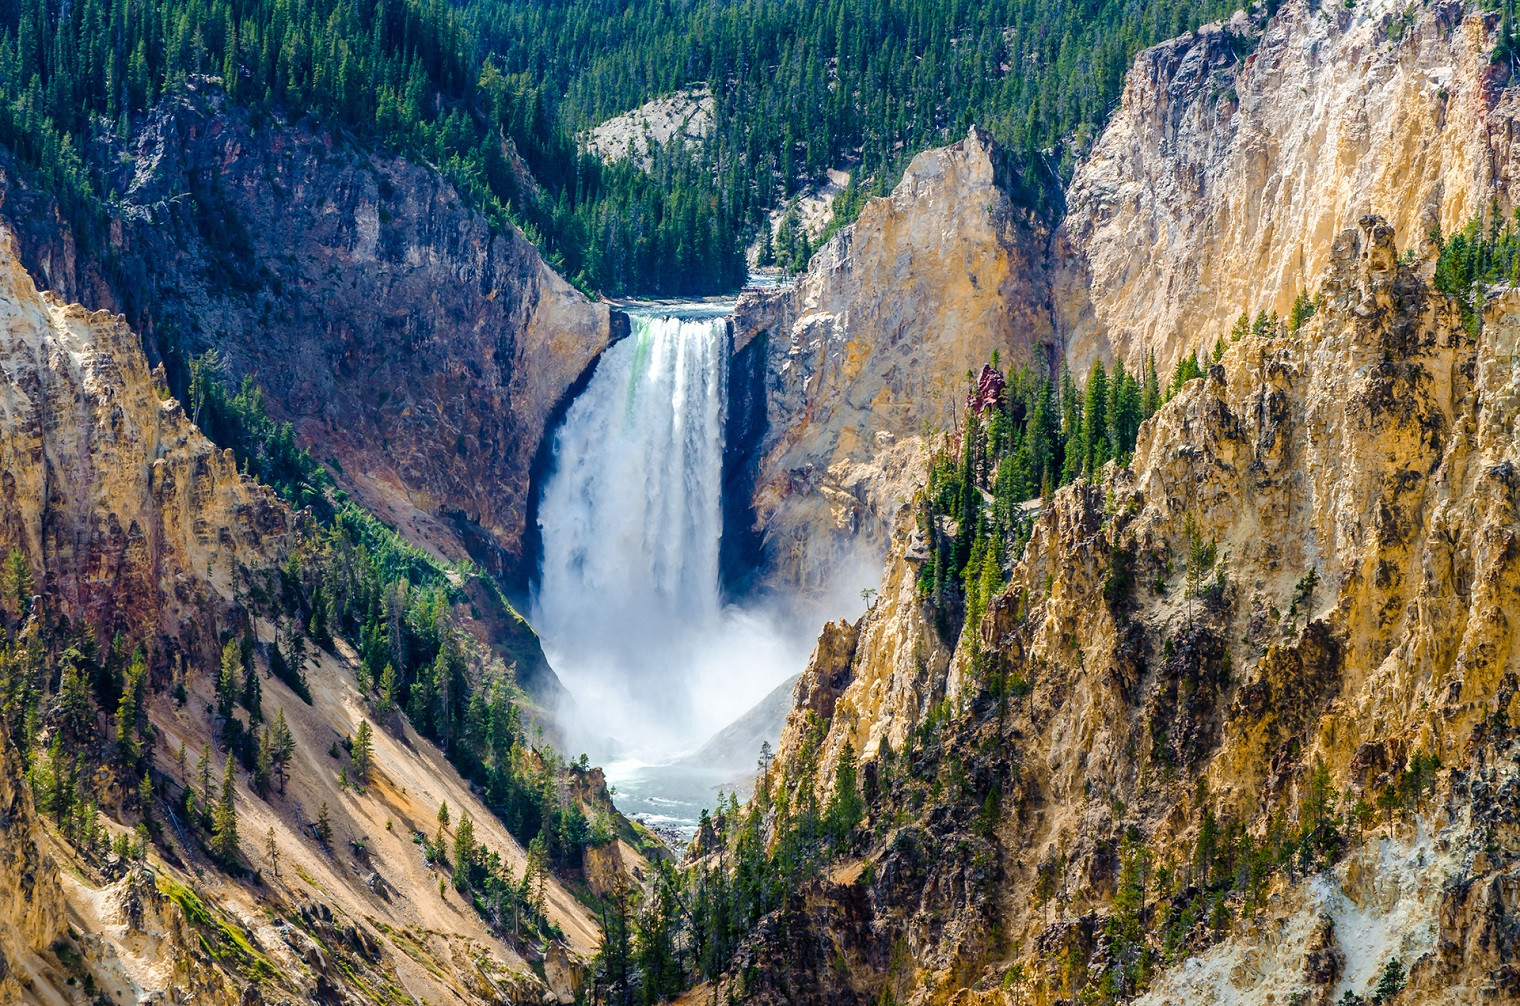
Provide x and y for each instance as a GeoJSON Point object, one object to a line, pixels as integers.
{"type": "Point", "coordinates": [1355, 480]}
{"type": "Point", "coordinates": [1238, 154]}
{"type": "Point", "coordinates": [134, 521]}
{"type": "Point", "coordinates": [408, 342]}
{"type": "Point", "coordinates": [872, 345]}
{"type": "Point", "coordinates": [31, 901]}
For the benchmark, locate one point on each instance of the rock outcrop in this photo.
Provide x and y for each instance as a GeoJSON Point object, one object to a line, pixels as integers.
{"type": "Point", "coordinates": [635, 135]}
{"type": "Point", "coordinates": [1356, 480]}
{"type": "Point", "coordinates": [871, 346]}
{"type": "Point", "coordinates": [1238, 153]}
{"type": "Point", "coordinates": [131, 518]}
{"type": "Point", "coordinates": [31, 900]}
{"type": "Point", "coordinates": [415, 347]}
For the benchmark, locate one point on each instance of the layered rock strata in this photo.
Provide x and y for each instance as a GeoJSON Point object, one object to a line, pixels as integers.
{"type": "Point", "coordinates": [871, 347]}
{"type": "Point", "coordinates": [1355, 481]}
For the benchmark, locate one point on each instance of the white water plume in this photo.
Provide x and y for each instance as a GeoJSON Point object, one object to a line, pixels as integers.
{"type": "Point", "coordinates": [629, 605]}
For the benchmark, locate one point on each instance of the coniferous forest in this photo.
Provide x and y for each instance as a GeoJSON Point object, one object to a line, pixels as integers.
{"type": "Point", "coordinates": [799, 87]}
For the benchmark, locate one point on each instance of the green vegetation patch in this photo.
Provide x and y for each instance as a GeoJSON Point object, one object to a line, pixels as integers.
{"type": "Point", "coordinates": [227, 944]}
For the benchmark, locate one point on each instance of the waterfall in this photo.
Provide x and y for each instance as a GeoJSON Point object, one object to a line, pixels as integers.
{"type": "Point", "coordinates": [628, 603]}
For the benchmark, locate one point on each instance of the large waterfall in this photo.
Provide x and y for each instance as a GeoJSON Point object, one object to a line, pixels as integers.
{"type": "Point", "coordinates": [628, 603]}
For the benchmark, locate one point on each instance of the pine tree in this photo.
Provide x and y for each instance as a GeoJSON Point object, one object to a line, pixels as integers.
{"type": "Point", "coordinates": [1390, 983]}
{"type": "Point", "coordinates": [203, 768]}
{"type": "Point", "coordinates": [224, 835]}
{"type": "Point", "coordinates": [1074, 454]}
{"type": "Point", "coordinates": [1302, 310]}
{"type": "Point", "coordinates": [1150, 396]}
{"type": "Point", "coordinates": [535, 877]}
{"type": "Point", "coordinates": [846, 809]}
{"type": "Point", "coordinates": [363, 750]}
{"type": "Point", "coordinates": [282, 749]}
{"type": "Point", "coordinates": [1125, 413]}
{"type": "Point", "coordinates": [323, 828]}
{"type": "Point", "coordinates": [1242, 327]}
{"type": "Point", "coordinates": [464, 852]}
{"type": "Point", "coordinates": [767, 255]}
{"type": "Point", "coordinates": [272, 852]}
{"type": "Point", "coordinates": [1187, 370]}
{"type": "Point", "coordinates": [387, 703]}
{"type": "Point", "coordinates": [227, 681]}
{"type": "Point", "coordinates": [1200, 557]}
{"type": "Point", "coordinates": [252, 693]}
{"type": "Point", "coordinates": [145, 796]}
{"type": "Point", "coordinates": [18, 582]}
{"type": "Point", "coordinates": [131, 717]}
{"type": "Point", "coordinates": [263, 768]}
{"type": "Point", "coordinates": [1095, 421]}
{"type": "Point", "coordinates": [57, 782]}
{"type": "Point", "coordinates": [76, 705]}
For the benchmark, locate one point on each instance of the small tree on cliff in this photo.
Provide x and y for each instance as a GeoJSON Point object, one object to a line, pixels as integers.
{"type": "Point", "coordinates": [282, 747]}
{"type": "Point", "coordinates": [131, 719]}
{"type": "Point", "coordinates": [363, 751]}
{"type": "Point", "coordinates": [252, 692]}
{"type": "Point", "coordinates": [846, 809]}
{"type": "Point", "coordinates": [224, 834]}
{"type": "Point", "coordinates": [464, 853]}
{"type": "Point", "coordinates": [387, 700]}
{"type": "Point", "coordinates": [227, 680]}
{"type": "Point", "coordinates": [18, 581]}
{"type": "Point", "coordinates": [1201, 553]}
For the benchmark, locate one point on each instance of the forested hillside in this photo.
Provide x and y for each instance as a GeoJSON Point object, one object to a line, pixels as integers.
{"type": "Point", "coordinates": [403, 74]}
{"type": "Point", "coordinates": [491, 88]}
{"type": "Point", "coordinates": [802, 87]}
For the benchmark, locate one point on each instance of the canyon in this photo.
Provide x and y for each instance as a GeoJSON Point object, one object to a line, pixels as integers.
{"type": "Point", "coordinates": [1236, 723]}
{"type": "Point", "coordinates": [1343, 474]}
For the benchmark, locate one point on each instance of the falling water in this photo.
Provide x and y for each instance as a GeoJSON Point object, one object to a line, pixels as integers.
{"type": "Point", "coordinates": [628, 602]}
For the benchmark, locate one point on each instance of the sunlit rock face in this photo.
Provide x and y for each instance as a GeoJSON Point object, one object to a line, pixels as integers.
{"type": "Point", "coordinates": [871, 347]}
{"type": "Point", "coordinates": [132, 522]}
{"type": "Point", "coordinates": [1373, 449]}
{"type": "Point", "coordinates": [1357, 477]}
{"type": "Point", "coordinates": [31, 901]}
{"type": "Point", "coordinates": [1237, 154]}
{"type": "Point", "coordinates": [126, 511]}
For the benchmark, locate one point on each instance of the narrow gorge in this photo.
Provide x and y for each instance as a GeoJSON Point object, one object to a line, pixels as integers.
{"type": "Point", "coordinates": [1077, 565]}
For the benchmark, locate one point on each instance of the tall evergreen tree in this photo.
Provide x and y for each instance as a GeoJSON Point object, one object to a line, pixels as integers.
{"type": "Point", "coordinates": [251, 691]}
{"type": "Point", "coordinates": [131, 714]}
{"type": "Point", "coordinates": [227, 679]}
{"type": "Point", "coordinates": [224, 834]}
{"type": "Point", "coordinates": [1095, 420]}
{"type": "Point", "coordinates": [282, 749]}
{"type": "Point", "coordinates": [1150, 396]}
{"type": "Point", "coordinates": [363, 750]}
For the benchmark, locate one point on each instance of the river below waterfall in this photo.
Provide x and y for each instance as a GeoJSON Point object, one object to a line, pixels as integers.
{"type": "Point", "coordinates": [629, 604]}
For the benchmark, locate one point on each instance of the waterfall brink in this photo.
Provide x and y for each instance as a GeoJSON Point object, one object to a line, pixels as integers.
{"type": "Point", "coordinates": [628, 602]}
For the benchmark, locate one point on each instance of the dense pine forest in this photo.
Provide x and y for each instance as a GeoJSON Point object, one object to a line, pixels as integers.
{"type": "Point", "coordinates": [401, 74]}
{"type": "Point", "coordinates": [799, 87]}
{"type": "Point", "coordinates": [802, 87]}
